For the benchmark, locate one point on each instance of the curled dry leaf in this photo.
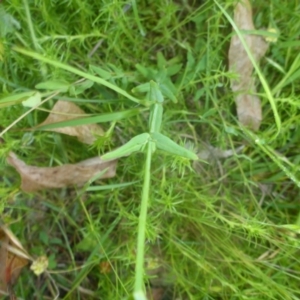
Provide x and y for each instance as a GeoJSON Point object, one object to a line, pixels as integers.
{"type": "Point", "coordinates": [13, 258]}
{"type": "Point", "coordinates": [37, 178]}
{"type": "Point", "coordinates": [64, 111]}
{"type": "Point", "coordinates": [248, 105]}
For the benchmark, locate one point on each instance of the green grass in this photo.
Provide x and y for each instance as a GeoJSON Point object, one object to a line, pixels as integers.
{"type": "Point", "coordinates": [222, 229]}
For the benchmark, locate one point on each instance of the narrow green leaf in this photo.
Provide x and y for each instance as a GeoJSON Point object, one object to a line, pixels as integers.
{"type": "Point", "coordinates": [174, 69]}
{"type": "Point", "coordinates": [99, 71]}
{"type": "Point", "coordinates": [156, 113]}
{"type": "Point", "coordinates": [137, 143]}
{"type": "Point", "coordinates": [166, 144]}
{"type": "Point", "coordinates": [155, 93]}
{"type": "Point", "coordinates": [15, 99]}
{"type": "Point", "coordinates": [189, 72]}
{"type": "Point", "coordinates": [290, 75]}
{"type": "Point", "coordinates": [148, 73]}
{"type": "Point", "coordinates": [117, 71]}
{"type": "Point", "coordinates": [110, 186]}
{"type": "Point", "coordinates": [81, 87]}
{"type": "Point", "coordinates": [33, 100]}
{"type": "Point", "coordinates": [137, 18]}
{"type": "Point", "coordinates": [161, 75]}
{"type": "Point", "coordinates": [78, 72]}
{"type": "Point", "coordinates": [161, 60]}
{"type": "Point", "coordinates": [155, 119]}
{"type": "Point", "coordinates": [292, 79]}
{"type": "Point", "coordinates": [166, 90]}
{"type": "Point", "coordinates": [53, 85]}
{"type": "Point", "coordinates": [144, 71]}
{"type": "Point", "coordinates": [109, 117]}
{"type": "Point", "coordinates": [293, 227]}
{"type": "Point", "coordinates": [289, 44]}
{"type": "Point", "coordinates": [142, 88]}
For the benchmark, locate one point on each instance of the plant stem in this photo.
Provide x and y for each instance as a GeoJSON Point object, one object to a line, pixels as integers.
{"type": "Point", "coordinates": [139, 267]}
{"type": "Point", "coordinates": [36, 45]}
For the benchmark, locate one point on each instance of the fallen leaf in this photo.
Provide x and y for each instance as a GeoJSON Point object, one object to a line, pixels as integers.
{"type": "Point", "coordinates": [248, 104]}
{"type": "Point", "coordinates": [37, 178]}
{"type": "Point", "coordinates": [13, 258]}
{"type": "Point", "coordinates": [64, 111]}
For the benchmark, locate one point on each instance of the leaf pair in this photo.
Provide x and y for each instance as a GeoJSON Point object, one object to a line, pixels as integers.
{"type": "Point", "coordinates": [161, 141]}
{"type": "Point", "coordinates": [157, 140]}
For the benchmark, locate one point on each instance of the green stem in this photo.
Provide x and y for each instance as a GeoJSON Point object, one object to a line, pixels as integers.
{"type": "Point", "coordinates": [30, 25]}
{"type": "Point", "coordinates": [137, 18]}
{"type": "Point", "coordinates": [139, 267]}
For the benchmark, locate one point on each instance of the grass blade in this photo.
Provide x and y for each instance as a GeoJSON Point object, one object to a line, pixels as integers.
{"type": "Point", "coordinates": [77, 72]}
{"type": "Point", "coordinates": [91, 120]}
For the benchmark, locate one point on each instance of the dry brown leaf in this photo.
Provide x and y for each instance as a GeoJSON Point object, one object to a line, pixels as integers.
{"type": "Point", "coordinates": [13, 258]}
{"type": "Point", "coordinates": [248, 105]}
{"type": "Point", "coordinates": [37, 178]}
{"type": "Point", "coordinates": [64, 111]}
